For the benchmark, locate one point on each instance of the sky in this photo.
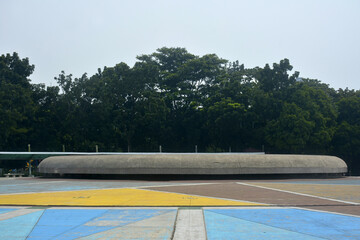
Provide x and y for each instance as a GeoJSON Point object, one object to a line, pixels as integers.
{"type": "Point", "coordinates": [321, 38]}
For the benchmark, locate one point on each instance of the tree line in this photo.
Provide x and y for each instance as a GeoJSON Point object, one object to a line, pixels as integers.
{"type": "Point", "coordinates": [178, 100]}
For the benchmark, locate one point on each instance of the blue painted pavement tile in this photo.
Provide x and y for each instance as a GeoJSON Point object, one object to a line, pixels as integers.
{"type": "Point", "coordinates": [20, 186]}
{"type": "Point", "coordinates": [109, 220]}
{"type": "Point", "coordinates": [69, 224]}
{"type": "Point", "coordinates": [141, 233]}
{"type": "Point", "coordinates": [45, 187]}
{"type": "Point", "coordinates": [118, 217]}
{"type": "Point", "coordinates": [219, 226]}
{"type": "Point", "coordinates": [156, 227]}
{"type": "Point", "coordinates": [5, 210]}
{"type": "Point", "coordinates": [74, 188]}
{"type": "Point", "coordinates": [19, 227]}
{"type": "Point", "coordinates": [320, 224]}
{"type": "Point", "coordinates": [55, 222]}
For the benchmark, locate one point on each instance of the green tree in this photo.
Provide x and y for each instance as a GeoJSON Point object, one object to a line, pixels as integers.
{"type": "Point", "coordinates": [177, 99]}
{"type": "Point", "coordinates": [316, 100]}
{"type": "Point", "coordinates": [47, 120]}
{"type": "Point", "coordinates": [16, 106]}
{"type": "Point", "coordinates": [346, 144]}
{"type": "Point", "coordinates": [225, 124]}
{"type": "Point", "coordinates": [346, 140]}
{"type": "Point", "coordinates": [291, 131]}
{"type": "Point", "coordinates": [277, 78]}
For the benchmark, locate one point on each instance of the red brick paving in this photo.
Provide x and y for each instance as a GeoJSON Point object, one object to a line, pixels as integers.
{"type": "Point", "coordinates": [232, 190]}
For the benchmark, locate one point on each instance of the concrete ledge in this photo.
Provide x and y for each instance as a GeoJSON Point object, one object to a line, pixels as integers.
{"type": "Point", "coordinates": [14, 175]}
{"type": "Point", "coordinates": [185, 164]}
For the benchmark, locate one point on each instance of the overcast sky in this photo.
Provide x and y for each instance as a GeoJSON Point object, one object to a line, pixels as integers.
{"type": "Point", "coordinates": [320, 37]}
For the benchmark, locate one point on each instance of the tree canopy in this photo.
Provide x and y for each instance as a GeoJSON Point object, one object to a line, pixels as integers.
{"type": "Point", "coordinates": [179, 100]}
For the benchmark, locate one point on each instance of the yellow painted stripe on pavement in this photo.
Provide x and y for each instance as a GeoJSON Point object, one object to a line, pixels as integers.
{"type": "Point", "coordinates": [116, 197]}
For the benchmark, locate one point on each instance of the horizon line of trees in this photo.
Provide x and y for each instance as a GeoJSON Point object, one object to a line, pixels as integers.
{"type": "Point", "coordinates": [178, 100]}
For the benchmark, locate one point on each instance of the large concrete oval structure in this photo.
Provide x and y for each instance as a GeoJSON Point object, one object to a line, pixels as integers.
{"type": "Point", "coordinates": [193, 163]}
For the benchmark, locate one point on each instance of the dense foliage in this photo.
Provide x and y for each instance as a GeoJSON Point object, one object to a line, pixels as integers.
{"type": "Point", "coordinates": [178, 100]}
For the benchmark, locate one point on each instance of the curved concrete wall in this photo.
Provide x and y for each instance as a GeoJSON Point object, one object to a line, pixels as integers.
{"type": "Point", "coordinates": [203, 163]}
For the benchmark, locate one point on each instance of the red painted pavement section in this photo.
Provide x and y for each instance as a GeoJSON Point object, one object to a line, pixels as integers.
{"type": "Point", "coordinates": [232, 190]}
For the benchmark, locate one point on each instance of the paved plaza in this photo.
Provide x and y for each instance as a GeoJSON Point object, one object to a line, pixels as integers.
{"type": "Point", "coordinates": [64, 208]}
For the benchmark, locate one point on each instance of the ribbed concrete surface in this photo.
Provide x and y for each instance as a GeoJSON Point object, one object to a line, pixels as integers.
{"type": "Point", "coordinates": [177, 163]}
{"type": "Point", "coordinates": [190, 225]}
